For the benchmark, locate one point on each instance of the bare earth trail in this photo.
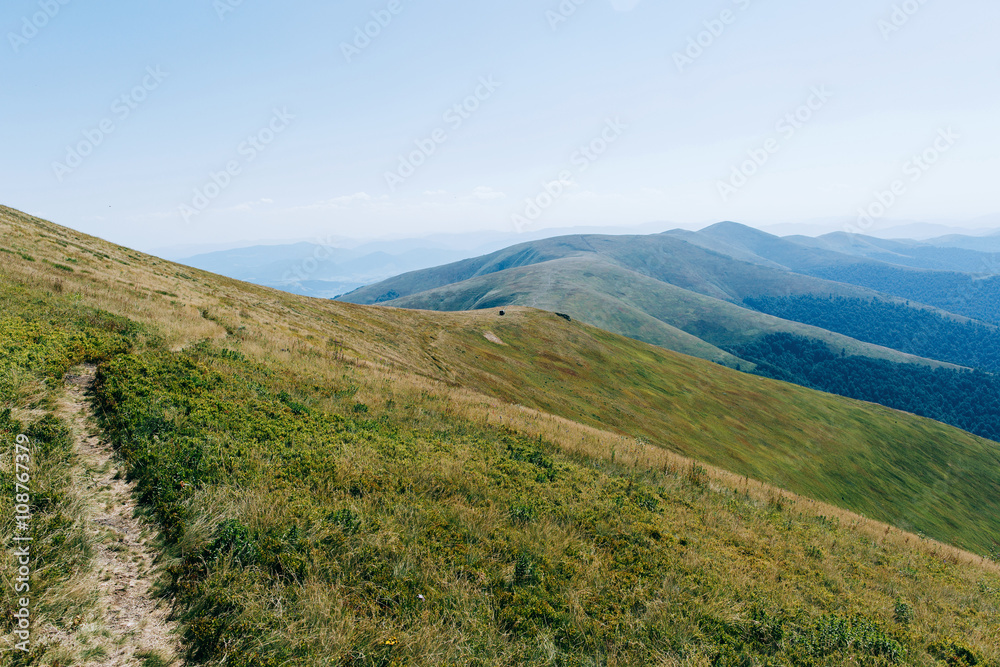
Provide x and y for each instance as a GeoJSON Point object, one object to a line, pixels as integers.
{"type": "Point", "coordinates": [135, 622]}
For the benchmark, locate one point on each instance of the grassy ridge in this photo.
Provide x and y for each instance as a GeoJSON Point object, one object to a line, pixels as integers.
{"type": "Point", "coordinates": [604, 294]}
{"type": "Point", "coordinates": [579, 287]}
{"type": "Point", "coordinates": [663, 257]}
{"type": "Point", "coordinates": [316, 468]}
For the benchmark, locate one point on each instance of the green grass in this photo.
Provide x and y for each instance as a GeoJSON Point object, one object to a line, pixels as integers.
{"type": "Point", "coordinates": [333, 486]}
{"type": "Point", "coordinates": [61, 267]}
{"type": "Point", "coordinates": [914, 473]}
{"type": "Point", "coordinates": [152, 659]}
{"type": "Point", "coordinates": [94, 653]}
{"type": "Point", "coordinates": [434, 541]}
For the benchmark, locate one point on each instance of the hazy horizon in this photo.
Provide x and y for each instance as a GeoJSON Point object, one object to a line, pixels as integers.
{"type": "Point", "coordinates": [471, 240]}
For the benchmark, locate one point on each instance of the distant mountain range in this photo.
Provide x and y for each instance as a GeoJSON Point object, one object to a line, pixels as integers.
{"type": "Point", "coordinates": [339, 264]}
{"type": "Point", "coordinates": [841, 313]}
{"type": "Point", "coordinates": [315, 270]}
{"type": "Point", "coordinates": [660, 289]}
{"type": "Point", "coordinates": [895, 229]}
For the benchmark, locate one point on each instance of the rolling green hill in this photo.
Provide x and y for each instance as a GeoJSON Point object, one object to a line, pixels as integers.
{"type": "Point", "coordinates": [662, 257]}
{"type": "Point", "coordinates": [600, 292]}
{"type": "Point", "coordinates": [338, 484]}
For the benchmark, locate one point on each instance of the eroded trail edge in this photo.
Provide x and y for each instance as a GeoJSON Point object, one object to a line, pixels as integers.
{"type": "Point", "coordinates": [132, 625]}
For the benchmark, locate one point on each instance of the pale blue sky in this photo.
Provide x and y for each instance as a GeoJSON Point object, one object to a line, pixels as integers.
{"type": "Point", "coordinates": [680, 130]}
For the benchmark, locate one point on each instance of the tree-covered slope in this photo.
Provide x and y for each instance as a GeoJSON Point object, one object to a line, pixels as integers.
{"type": "Point", "coordinates": [972, 296]}
{"type": "Point", "coordinates": [967, 399]}
{"type": "Point", "coordinates": [919, 331]}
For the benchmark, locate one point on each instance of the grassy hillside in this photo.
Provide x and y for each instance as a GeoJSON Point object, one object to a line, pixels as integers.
{"type": "Point", "coordinates": [359, 486]}
{"type": "Point", "coordinates": [598, 291]}
{"type": "Point", "coordinates": [542, 364]}
{"type": "Point", "coordinates": [870, 459]}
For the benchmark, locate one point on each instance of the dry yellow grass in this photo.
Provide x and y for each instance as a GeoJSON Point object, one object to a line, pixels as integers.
{"type": "Point", "coordinates": [301, 334]}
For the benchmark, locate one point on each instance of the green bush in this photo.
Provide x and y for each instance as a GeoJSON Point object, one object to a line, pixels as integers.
{"type": "Point", "coordinates": [855, 637]}
{"type": "Point", "coordinates": [954, 653]}
{"type": "Point", "coordinates": [903, 613]}
{"type": "Point", "coordinates": [234, 540]}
